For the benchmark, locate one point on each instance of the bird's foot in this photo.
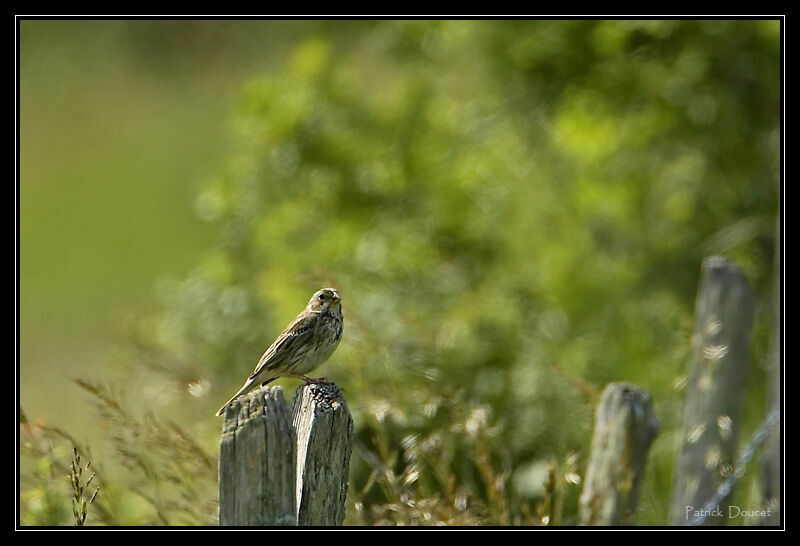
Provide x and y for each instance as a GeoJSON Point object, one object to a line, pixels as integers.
{"type": "Point", "coordinates": [313, 381]}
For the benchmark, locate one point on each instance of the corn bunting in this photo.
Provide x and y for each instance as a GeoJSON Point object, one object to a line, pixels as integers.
{"type": "Point", "coordinates": [307, 342]}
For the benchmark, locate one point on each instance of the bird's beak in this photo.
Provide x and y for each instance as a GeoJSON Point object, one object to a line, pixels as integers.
{"type": "Point", "coordinates": [336, 298]}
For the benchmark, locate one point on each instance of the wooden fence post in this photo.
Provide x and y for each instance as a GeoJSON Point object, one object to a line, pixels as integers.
{"type": "Point", "coordinates": [771, 459]}
{"type": "Point", "coordinates": [714, 393]}
{"type": "Point", "coordinates": [324, 429]}
{"type": "Point", "coordinates": [624, 429]}
{"type": "Point", "coordinates": [280, 466]}
{"type": "Point", "coordinates": [256, 461]}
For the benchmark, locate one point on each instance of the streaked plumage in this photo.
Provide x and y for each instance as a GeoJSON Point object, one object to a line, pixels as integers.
{"type": "Point", "coordinates": [306, 343]}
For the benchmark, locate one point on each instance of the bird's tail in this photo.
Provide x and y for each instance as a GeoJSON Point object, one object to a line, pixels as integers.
{"type": "Point", "coordinates": [247, 387]}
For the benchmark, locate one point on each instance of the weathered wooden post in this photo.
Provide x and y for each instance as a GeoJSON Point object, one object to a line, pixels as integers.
{"type": "Point", "coordinates": [715, 391]}
{"type": "Point", "coordinates": [256, 461]}
{"type": "Point", "coordinates": [624, 429]}
{"type": "Point", "coordinates": [280, 466]}
{"type": "Point", "coordinates": [771, 461]}
{"type": "Point", "coordinates": [324, 430]}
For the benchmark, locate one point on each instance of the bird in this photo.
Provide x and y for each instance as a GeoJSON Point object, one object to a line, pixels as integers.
{"type": "Point", "coordinates": [308, 341]}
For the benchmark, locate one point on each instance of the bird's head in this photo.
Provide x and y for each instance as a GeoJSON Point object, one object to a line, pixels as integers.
{"type": "Point", "coordinates": [327, 299]}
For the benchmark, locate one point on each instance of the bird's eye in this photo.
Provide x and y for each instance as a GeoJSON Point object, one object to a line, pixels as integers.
{"type": "Point", "coordinates": [322, 296]}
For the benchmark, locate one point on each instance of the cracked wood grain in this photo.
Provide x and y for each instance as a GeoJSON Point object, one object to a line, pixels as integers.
{"type": "Point", "coordinates": [285, 465]}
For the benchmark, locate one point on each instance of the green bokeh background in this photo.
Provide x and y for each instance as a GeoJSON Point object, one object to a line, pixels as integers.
{"type": "Point", "coordinates": [515, 213]}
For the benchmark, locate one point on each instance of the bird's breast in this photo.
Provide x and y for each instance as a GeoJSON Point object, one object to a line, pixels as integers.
{"type": "Point", "coordinates": [326, 337]}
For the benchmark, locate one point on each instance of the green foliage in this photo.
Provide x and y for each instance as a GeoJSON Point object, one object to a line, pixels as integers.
{"type": "Point", "coordinates": [47, 473]}
{"type": "Point", "coordinates": [509, 209]}
{"type": "Point", "coordinates": [515, 214]}
{"type": "Point", "coordinates": [167, 468]}
{"type": "Point", "coordinates": [43, 499]}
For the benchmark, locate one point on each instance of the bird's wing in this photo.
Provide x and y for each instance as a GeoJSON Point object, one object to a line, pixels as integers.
{"type": "Point", "coordinates": [289, 343]}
